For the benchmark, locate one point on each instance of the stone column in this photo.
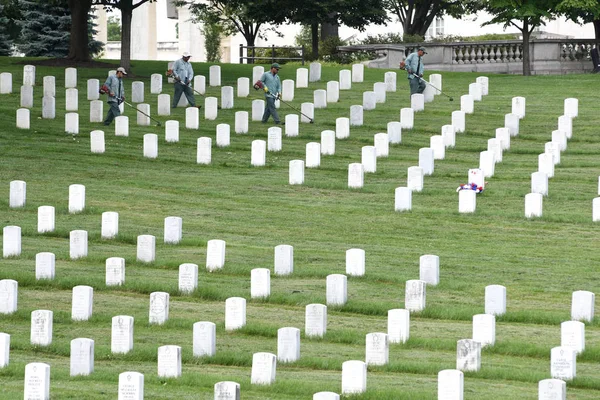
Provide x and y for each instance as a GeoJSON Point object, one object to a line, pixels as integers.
{"type": "Point", "coordinates": [143, 33]}
{"type": "Point", "coordinates": [190, 36]}
{"type": "Point", "coordinates": [102, 28]}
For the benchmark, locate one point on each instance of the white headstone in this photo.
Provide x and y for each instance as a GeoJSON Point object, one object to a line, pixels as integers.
{"type": "Point", "coordinates": [485, 84]}
{"type": "Point", "coordinates": [326, 396]}
{"type": "Point", "coordinates": [328, 143]}
{"type": "Point", "coordinates": [137, 92]}
{"type": "Point", "coordinates": [26, 96]}
{"type": "Point", "coordinates": [394, 131]}
{"type": "Point", "coordinates": [5, 83]}
{"type": "Point", "coordinates": [82, 303]}
{"type": "Point", "coordinates": [214, 75]}
{"type": "Point", "coordinates": [390, 81]}
{"type": "Point", "coordinates": [264, 367]}
{"type": "Point", "coordinates": [320, 98]}
{"type": "Point", "coordinates": [382, 144]}
{"type": "Point", "coordinates": [417, 102]}
{"type": "Point", "coordinates": [354, 377]}
{"type": "Point", "coordinates": [571, 107]}
{"type": "Point", "coordinates": [260, 283]}
{"type": "Point", "coordinates": [226, 97]}
{"type": "Point", "coordinates": [288, 344]}
{"type": "Point", "coordinates": [546, 164]}
{"type": "Point", "coordinates": [313, 155]}
{"type": "Point", "coordinates": [342, 128]}
{"type": "Point", "coordinates": [243, 87]}
{"type": "Point", "coordinates": [121, 340]}
{"type": "Point", "coordinates": [380, 92]}
{"type": "Point", "coordinates": [199, 84]}
{"type": "Point", "coordinates": [78, 248]}
{"type": "Point", "coordinates": [82, 357]}
{"type": "Point", "coordinates": [37, 381]}
{"type": "Point", "coordinates": [458, 121]}
{"type": "Point", "coordinates": [9, 289]}
{"type": "Point", "coordinates": [448, 135]}
{"type": "Point", "coordinates": [97, 142]}
{"type": "Point", "coordinates": [572, 335]}
{"type": "Point", "coordinates": [110, 225]}
{"type": "Point", "coordinates": [563, 363]}
{"type": "Point", "coordinates": [296, 172]}
{"type": "Point", "coordinates": [159, 308]}
{"type": "Point", "coordinates": [227, 390]}
{"type": "Point", "coordinates": [511, 121]}
{"type": "Point", "coordinates": [241, 121]}
{"type": "Point", "coordinates": [172, 131]}
{"type": "Point", "coordinates": [76, 198]}
{"type": "Point", "coordinates": [429, 269]}
{"type": "Point", "coordinates": [467, 104]}
{"type": "Point", "coordinates": [131, 386]}
{"type": "Point", "coordinates": [205, 339]}
{"type": "Point", "coordinates": [356, 175]}
{"type": "Point", "coordinates": [45, 219]}
{"type": "Point", "coordinates": [484, 329]}
{"type": "Point", "coordinates": [518, 107]}
{"type": "Point", "coordinates": [355, 262]}
{"type": "Point", "coordinates": [369, 159]}
{"type": "Point", "coordinates": [291, 125]}
{"type": "Point", "coordinates": [582, 306]}
{"type": "Point", "coordinates": [503, 134]}
{"type": "Point", "coordinates": [554, 149]}
{"type": "Point", "coordinates": [398, 325]}
{"type": "Point", "coordinates": [403, 199]}
{"type": "Point", "coordinates": [211, 105]}
{"type": "Point", "coordinates": [377, 349]}
{"type": "Point", "coordinates": [552, 389]}
{"type": "Point", "coordinates": [467, 201]}
{"type": "Point", "coordinates": [18, 194]}
{"type": "Point", "coordinates": [345, 79]}
{"type": "Point", "coordinates": [475, 90]}
{"type": "Point", "coordinates": [29, 75]}
{"type": "Point", "coordinates": [369, 101]}
{"type": "Point", "coordinates": [495, 147]}
{"type": "Point", "coordinates": [146, 248]}
{"type": "Point", "coordinates": [302, 78]}
{"type": "Point", "coordinates": [70, 77]}
{"type": "Point", "coordinates": [308, 111]}
{"type": "Point", "coordinates": [468, 355]}
{"type": "Point", "coordinates": [164, 104]}
{"type": "Point", "coordinates": [415, 295]}
{"type": "Point", "coordinates": [539, 183]}
{"type": "Point", "coordinates": [97, 111]}
{"type": "Point", "coordinates": [337, 289]}
{"type": "Point", "coordinates": [436, 143]}
{"type": "Point", "coordinates": [156, 83]}
{"type": "Point", "coordinates": [426, 160]}
{"type": "Point", "coordinates": [41, 328]}
{"type": "Point", "coordinates": [192, 118]}
{"type": "Point", "coordinates": [122, 126]}
{"type": "Point", "coordinates": [356, 115]}
{"type": "Point", "coordinates": [436, 80]}
{"type": "Point", "coordinates": [315, 72]}
{"type": "Point", "coordinates": [169, 361]}
{"type": "Point", "coordinates": [287, 90]}
{"type": "Point", "coordinates": [215, 254]}
{"type": "Point", "coordinates": [358, 72]}
{"type": "Point", "coordinates": [414, 181]}
{"type": "Point", "coordinates": [11, 241]}
{"type": "Point", "coordinates": [48, 107]}
{"type": "Point", "coordinates": [274, 138]}
{"type": "Point", "coordinates": [188, 278]}
{"type": "Point", "coordinates": [235, 313]}
{"type": "Point", "coordinates": [257, 73]}
{"type": "Point", "coordinates": [4, 349]}
{"type": "Point", "coordinates": [259, 153]}
{"type": "Point", "coordinates": [596, 209]}
{"type": "Point", "coordinates": [495, 299]}
{"type": "Point", "coordinates": [476, 177]}
{"type": "Point", "coordinates": [428, 94]}
{"type": "Point", "coordinates": [45, 265]}
{"type": "Point", "coordinates": [407, 118]}
{"type": "Point", "coordinates": [284, 259]}
{"type": "Point", "coordinates": [565, 124]}
{"type": "Point", "coordinates": [487, 163]}
{"type": "Point", "coordinates": [115, 271]}
{"type": "Point", "coordinates": [258, 109]}
{"type": "Point", "coordinates": [204, 152]}
{"type": "Point", "coordinates": [315, 324]}
{"type": "Point", "coordinates": [560, 138]}
{"type": "Point", "coordinates": [333, 91]}
{"type": "Point", "coordinates": [450, 384]}
{"type": "Point", "coordinates": [173, 230]}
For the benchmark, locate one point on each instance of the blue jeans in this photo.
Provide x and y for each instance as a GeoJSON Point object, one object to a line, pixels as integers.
{"type": "Point", "coordinates": [180, 89]}
{"type": "Point", "coordinates": [270, 110]}
{"type": "Point", "coordinates": [113, 112]}
{"type": "Point", "coordinates": [416, 85]}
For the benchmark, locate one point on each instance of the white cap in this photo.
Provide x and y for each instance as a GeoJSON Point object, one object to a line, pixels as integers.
{"type": "Point", "coordinates": [121, 69]}
{"type": "Point", "coordinates": [186, 54]}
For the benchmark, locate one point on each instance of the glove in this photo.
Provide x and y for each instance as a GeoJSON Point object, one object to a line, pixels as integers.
{"type": "Point", "coordinates": [169, 73]}
{"type": "Point", "coordinates": [420, 75]}
{"type": "Point", "coordinates": [258, 85]}
{"type": "Point", "coordinates": [104, 89]}
{"type": "Point", "coordinates": [266, 89]}
{"type": "Point", "coordinates": [187, 82]}
{"type": "Point", "coordinates": [123, 98]}
{"type": "Point", "coordinates": [278, 97]}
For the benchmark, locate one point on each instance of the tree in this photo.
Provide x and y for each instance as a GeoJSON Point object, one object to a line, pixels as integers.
{"type": "Point", "coordinates": [525, 15]}
{"type": "Point", "coordinates": [583, 12]}
{"type": "Point", "coordinates": [417, 15]}
{"type": "Point", "coordinates": [10, 13]}
{"type": "Point", "coordinates": [113, 27]}
{"type": "Point", "coordinates": [5, 40]}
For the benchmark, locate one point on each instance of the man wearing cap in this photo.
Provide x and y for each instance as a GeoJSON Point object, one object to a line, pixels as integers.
{"type": "Point", "coordinates": [272, 88]}
{"type": "Point", "coordinates": [116, 94]}
{"type": "Point", "coordinates": [414, 67]}
{"type": "Point", "coordinates": [183, 74]}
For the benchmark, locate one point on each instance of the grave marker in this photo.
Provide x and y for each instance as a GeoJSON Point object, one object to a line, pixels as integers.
{"type": "Point", "coordinates": [82, 303]}
{"type": "Point", "coordinates": [484, 82]}
{"type": "Point", "coordinates": [131, 386]}
{"type": "Point", "coordinates": [337, 289]}
{"type": "Point", "coordinates": [204, 152]}
{"type": "Point", "coordinates": [211, 105]}
{"type": "Point", "coordinates": [215, 254]}
{"type": "Point", "coordinates": [326, 396]}
{"type": "Point", "coordinates": [274, 138]}
{"type": "Point", "coordinates": [554, 149]}
{"type": "Point", "coordinates": [137, 92]}
{"type": "Point", "coordinates": [241, 121]}
{"type": "Point", "coordinates": [539, 183]}
{"type": "Point", "coordinates": [313, 155]}
{"type": "Point", "coordinates": [495, 147]}
{"type": "Point", "coordinates": [354, 377]}
{"type": "Point", "coordinates": [121, 341]}
{"type": "Point", "coordinates": [9, 290]}
{"type": "Point", "coordinates": [259, 153]}
{"type": "Point", "coordinates": [511, 121]}
{"type": "Point", "coordinates": [467, 201]}
{"type": "Point", "coordinates": [358, 72]}
{"type": "Point", "coordinates": [5, 83]}
{"type": "Point", "coordinates": [380, 92]}
{"type": "Point", "coordinates": [342, 128]}
{"type": "Point", "coordinates": [414, 181]}
{"type": "Point", "coordinates": [518, 107]}
{"type": "Point", "coordinates": [159, 308]}
{"type": "Point", "coordinates": [26, 96]}
{"type": "Point", "coordinates": [18, 194]}
{"type": "Point", "coordinates": [97, 112]}
{"type": "Point", "coordinates": [355, 262]}
{"type": "Point", "coordinates": [115, 271]}
{"type": "Point", "coordinates": [449, 136]}
{"type": "Point", "coordinates": [429, 269]}
{"type": "Point", "coordinates": [475, 90]}
{"type": "Point", "coordinates": [11, 241]}
{"type": "Point", "coordinates": [495, 299]}
{"type": "Point", "coordinates": [78, 241]}
{"type": "Point", "coordinates": [188, 278]}
{"type": "Point", "coordinates": [260, 283]}
{"type": "Point", "coordinates": [484, 329]}
{"type": "Point", "coordinates": [146, 248]}
{"type": "Point", "coordinates": [143, 120]}
{"type": "Point", "coordinates": [41, 328]}
{"type": "Point", "coordinates": [23, 120]}
{"type": "Point", "coordinates": [565, 124]}
{"type": "Point", "coordinates": [552, 389]}
{"type": "Point", "coordinates": [356, 175]}
{"type": "Point", "coordinates": [333, 91]}
{"type": "Point", "coordinates": [315, 324]}
{"type": "Point", "coordinates": [314, 72]}
{"type": "Point", "coordinates": [436, 143]}
{"type": "Point", "coordinates": [369, 101]}
{"type": "Point", "coordinates": [398, 325]}
{"type": "Point", "coordinates": [264, 367]}
{"type": "Point", "coordinates": [243, 87]}
{"type": "Point", "coordinates": [582, 305]}
{"type": "Point", "coordinates": [320, 98]}
{"type": "Point", "coordinates": [223, 135]}
{"type": "Point", "coordinates": [382, 145]}
{"type": "Point", "coordinates": [407, 118]}
{"type": "Point", "coordinates": [458, 121]}
{"type": "Point", "coordinates": [560, 138]}
{"type": "Point", "coordinates": [390, 81]}
{"type": "Point", "coordinates": [308, 111]}
{"type": "Point", "coordinates": [291, 125]}
{"type": "Point", "coordinates": [369, 159]}
{"type": "Point", "coordinates": [122, 126]}
{"type": "Point", "coordinates": [235, 313]}
{"type": "Point", "coordinates": [284, 259]}
{"type": "Point", "coordinates": [572, 335]}
{"type": "Point", "coordinates": [227, 97]}
{"type": "Point", "coordinates": [258, 109]}
{"type": "Point", "coordinates": [97, 142]}
{"type": "Point", "coordinates": [487, 163]}
{"type": "Point", "coordinates": [45, 265]}
{"type": "Point", "coordinates": [403, 199]}
{"type": "Point", "coordinates": [82, 357]}
{"type": "Point", "coordinates": [4, 349]}
{"type": "Point", "coordinates": [450, 384]}
{"type": "Point", "coordinates": [169, 361]}
{"type": "Point", "coordinates": [214, 75]}
{"type": "Point", "coordinates": [173, 230]}
{"type": "Point", "coordinates": [296, 172]}
{"type": "Point", "coordinates": [345, 79]}
{"type": "Point", "coordinates": [596, 209]}
{"type": "Point", "coordinates": [156, 83]}
{"type": "Point", "coordinates": [533, 205]}
{"type": "Point", "coordinates": [546, 164]}
{"type": "Point", "coordinates": [199, 84]}
{"type": "Point", "coordinates": [563, 363]}
{"type": "Point", "coordinates": [414, 295]}
{"type": "Point", "coordinates": [356, 115]}
{"type": "Point", "coordinates": [288, 344]}
{"type": "Point", "coordinates": [287, 89]}
{"type": "Point", "coordinates": [48, 107]}
{"type": "Point", "coordinates": [227, 391]}
{"type": "Point", "coordinates": [426, 160]}
{"type": "Point", "coordinates": [476, 176]}
{"type": "Point", "coordinates": [164, 105]}
{"type": "Point", "coordinates": [571, 107]}
{"type": "Point", "coordinates": [328, 142]}
{"type": "Point", "coordinates": [428, 94]}
{"type": "Point", "coordinates": [301, 78]}
{"type": "Point", "coordinates": [37, 381]}
{"type": "Point", "coordinates": [205, 339]}
{"type": "Point", "coordinates": [436, 80]}
{"type": "Point", "coordinates": [377, 349]}
{"type": "Point", "coordinates": [468, 355]}
{"type": "Point", "coordinates": [29, 75]}
{"type": "Point", "coordinates": [467, 104]}
{"type": "Point", "coordinates": [417, 102]}
{"type": "Point", "coordinates": [394, 131]}
{"type": "Point", "coordinates": [257, 73]}
{"type": "Point", "coordinates": [45, 219]}
{"type": "Point", "coordinates": [503, 135]}
{"type": "Point", "coordinates": [110, 225]}
{"type": "Point", "coordinates": [76, 198]}
{"type": "Point", "coordinates": [70, 77]}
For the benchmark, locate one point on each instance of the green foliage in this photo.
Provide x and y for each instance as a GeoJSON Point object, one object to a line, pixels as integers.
{"type": "Point", "coordinates": [386, 38]}
{"type": "Point", "coordinates": [407, 38]}
{"type": "Point", "coordinates": [114, 29]}
{"type": "Point", "coordinates": [525, 15]}
{"type": "Point", "coordinates": [5, 40]}
{"type": "Point", "coordinates": [480, 38]}
{"type": "Point", "coordinates": [11, 14]}
{"type": "Point", "coordinates": [212, 41]}
{"type": "Point", "coordinates": [580, 11]}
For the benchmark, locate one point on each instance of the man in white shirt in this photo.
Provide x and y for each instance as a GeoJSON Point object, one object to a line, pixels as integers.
{"type": "Point", "coordinates": [183, 73]}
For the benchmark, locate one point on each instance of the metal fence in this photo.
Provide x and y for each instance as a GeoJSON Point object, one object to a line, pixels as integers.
{"type": "Point", "coordinates": [251, 56]}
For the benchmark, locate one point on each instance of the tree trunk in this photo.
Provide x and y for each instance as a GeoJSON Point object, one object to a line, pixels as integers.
{"type": "Point", "coordinates": [126, 17]}
{"type": "Point", "coordinates": [329, 30]}
{"type": "Point", "coordinates": [79, 42]}
{"type": "Point", "coordinates": [314, 28]}
{"type": "Point", "coordinates": [596, 23]}
{"type": "Point", "coordinates": [526, 35]}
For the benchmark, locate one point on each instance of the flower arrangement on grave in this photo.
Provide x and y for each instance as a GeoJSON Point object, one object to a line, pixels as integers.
{"type": "Point", "coordinates": [470, 186]}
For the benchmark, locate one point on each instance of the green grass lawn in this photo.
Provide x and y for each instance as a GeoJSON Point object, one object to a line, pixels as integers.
{"type": "Point", "coordinates": [540, 261]}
